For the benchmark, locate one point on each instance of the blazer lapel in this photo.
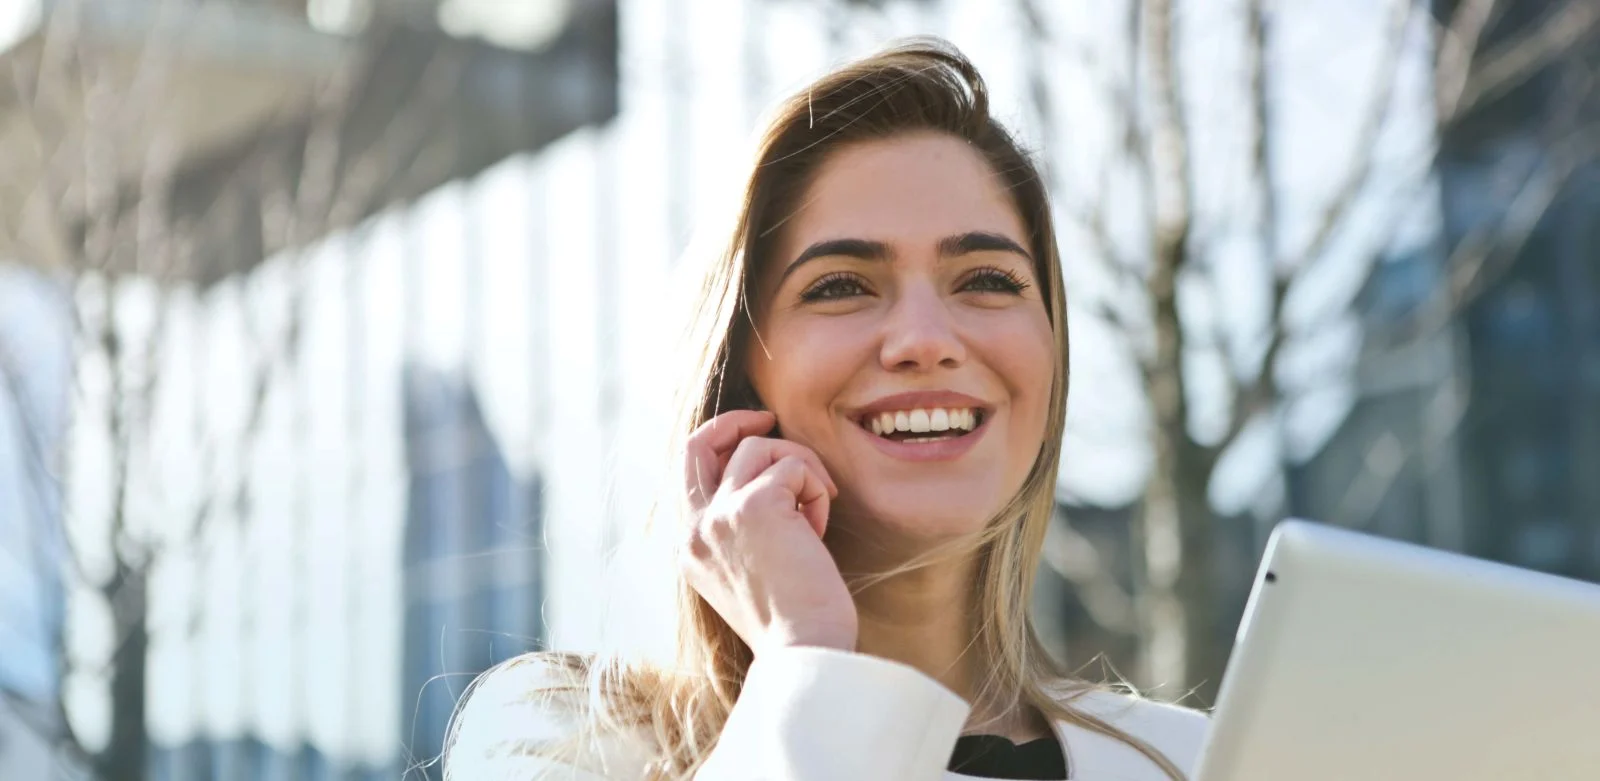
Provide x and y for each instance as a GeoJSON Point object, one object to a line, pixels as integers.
{"type": "Point", "coordinates": [1092, 756]}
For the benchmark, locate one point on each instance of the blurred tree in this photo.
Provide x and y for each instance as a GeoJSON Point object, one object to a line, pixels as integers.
{"type": "Point", "coordinates": [1172, 299]}
{"type": "Point", "coordinates": [128, 188]}
{"type": "Point", "coordinates": [155, 146]}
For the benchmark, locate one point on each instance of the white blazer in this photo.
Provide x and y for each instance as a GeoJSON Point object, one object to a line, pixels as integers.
{"type": "Point", "coordinates": [812, 714]}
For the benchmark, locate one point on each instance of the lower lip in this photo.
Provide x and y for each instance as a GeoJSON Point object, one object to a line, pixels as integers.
{"type": "Point", "coordinates": [943, 450]}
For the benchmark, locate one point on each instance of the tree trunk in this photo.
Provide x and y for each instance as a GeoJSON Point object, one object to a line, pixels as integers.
{"type": "Point", "coordinates": [123, 758]}
{"type": "Point", "coordinates": [1176, 533]}
{"type": "Point", "coordinates": [1175, 530]}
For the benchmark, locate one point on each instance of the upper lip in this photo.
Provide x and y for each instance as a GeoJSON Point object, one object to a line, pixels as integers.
{"type": "Point", "coordinates": [921, 400]}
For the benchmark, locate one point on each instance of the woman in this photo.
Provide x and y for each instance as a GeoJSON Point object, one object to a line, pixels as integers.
{"type": "Point", "coordinates": [876, 427]}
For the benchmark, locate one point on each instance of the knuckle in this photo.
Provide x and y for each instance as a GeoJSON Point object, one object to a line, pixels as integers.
{"type": "Point", "coordinates": [790, 465]}
{"type": "Point", "coordinates": [700, 541]}
{"type": "Point", "coordinates": [773, 494]}
{"type": "Point", "coordinates": [714, 528]}
{"type": "Point", "coordinates": [793, 450]}
{"type": "Point", "coordinates": [750, 445]}
{"type": "Point", "coordinates": [694, 547]}
{"type": "Point", "coordinates": [693, 449]}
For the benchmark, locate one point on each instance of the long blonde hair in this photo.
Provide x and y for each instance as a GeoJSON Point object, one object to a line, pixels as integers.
{"type": "Point", "coordinates": [920, 85]}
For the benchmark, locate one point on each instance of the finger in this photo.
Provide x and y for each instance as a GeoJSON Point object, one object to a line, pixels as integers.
{"type": "Point", "coordinates": [724, 432]}
{"type": "Point", "coordinates": [800, 488]}
{"type": "Point", "coordinates": [756, 454]}
{"type": "Point", "coordinates": [783, 446]}
{"type": "Point", "coordinates": [814, 503]}
{"type": "Point", "coordinates": [708, 448]}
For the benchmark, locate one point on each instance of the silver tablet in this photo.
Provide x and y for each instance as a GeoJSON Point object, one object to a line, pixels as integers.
{"type": "Point", "coordinates": [1364, 658]}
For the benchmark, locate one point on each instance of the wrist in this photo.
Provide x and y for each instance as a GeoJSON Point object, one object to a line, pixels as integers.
{"type": "Point", "coordinates": [837, 638]}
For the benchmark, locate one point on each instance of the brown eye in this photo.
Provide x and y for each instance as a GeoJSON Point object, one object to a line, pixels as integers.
{"type": "Point", "coordinates": [995, 280]}
{"type": "Point", "coordinates": [834, 286]}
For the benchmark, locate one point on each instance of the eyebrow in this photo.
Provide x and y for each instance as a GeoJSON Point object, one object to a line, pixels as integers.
{"type": "Point", "coordinates": [949, 246]}
{"type": "Point", "coordinates": [978, 241]}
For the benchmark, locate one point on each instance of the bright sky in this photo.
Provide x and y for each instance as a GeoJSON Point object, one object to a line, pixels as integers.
{"type": "Point", "coordinates": [34, 346]}
{"type": "Point", "coordinates": [17, 19]}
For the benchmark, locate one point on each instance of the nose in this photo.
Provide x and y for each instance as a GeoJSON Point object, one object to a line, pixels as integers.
{"type": "Point", "coordinates": [920, 333]}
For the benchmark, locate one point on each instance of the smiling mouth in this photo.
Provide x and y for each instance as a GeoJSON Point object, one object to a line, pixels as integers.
{"type": "Point", "coordinates": [931, 424]}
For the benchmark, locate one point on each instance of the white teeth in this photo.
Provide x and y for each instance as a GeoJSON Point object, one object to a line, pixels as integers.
{"type": "Point", "coordinates": [920, 421]}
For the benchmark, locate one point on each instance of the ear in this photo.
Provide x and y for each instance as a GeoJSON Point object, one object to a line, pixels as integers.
{"type": "Point", "coordinates": [752, 400]}
{"type": "Point", "coordinates": [748, 398]}
{"type": "Point", "coordinates": [742, 396]}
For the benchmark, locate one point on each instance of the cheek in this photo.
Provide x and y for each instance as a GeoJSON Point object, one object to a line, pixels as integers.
{"type": "Point", "coordinates": [1023, 353]}
{"type": "Point", "coordinates": [801, 366]}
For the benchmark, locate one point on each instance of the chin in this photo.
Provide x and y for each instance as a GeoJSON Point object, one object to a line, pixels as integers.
{"type": "Point", "coordinates": [929, 514]}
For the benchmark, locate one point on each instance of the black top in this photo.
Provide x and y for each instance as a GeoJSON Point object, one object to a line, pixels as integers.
{"type": "Point", "coordinates": [992, 756]}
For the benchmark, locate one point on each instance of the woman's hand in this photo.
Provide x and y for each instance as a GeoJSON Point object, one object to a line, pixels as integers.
{"type": "Point", "coordinates": [753, 546]}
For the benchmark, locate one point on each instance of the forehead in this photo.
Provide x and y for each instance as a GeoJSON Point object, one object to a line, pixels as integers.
{"type": "Point", "coordinates": [908, 190]}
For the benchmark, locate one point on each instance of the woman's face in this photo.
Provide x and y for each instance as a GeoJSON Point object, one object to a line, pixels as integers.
{"type": "Point", "coordinates": [902, 335]}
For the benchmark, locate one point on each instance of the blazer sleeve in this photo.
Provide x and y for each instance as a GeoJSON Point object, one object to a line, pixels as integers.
{"type": "Point", "coordinates": [804, 714]}
{"type": "Point", "coordinates": [810, 714]}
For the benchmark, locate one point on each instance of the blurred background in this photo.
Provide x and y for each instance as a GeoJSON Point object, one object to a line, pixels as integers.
{"type": "Point", "coordinates": [331, 331]}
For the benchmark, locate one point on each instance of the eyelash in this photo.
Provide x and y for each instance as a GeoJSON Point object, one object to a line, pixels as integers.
{"type": "Point", "coordinates": [827, 287]}
{"type": "Point", "coordinates": [1008, 281]}
{"type": "Point", "coordinates": [821, 289]}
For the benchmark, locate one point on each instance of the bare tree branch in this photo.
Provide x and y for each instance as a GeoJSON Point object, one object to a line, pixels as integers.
{"type": "Point", "coordinates": [1260, 160]}
{"type": "Point", "coordinates": [1170, 183]}
{"type": "Point", "coordinates": [404, 138]}
{"type": "Point", "coordinates": [319, 199]}
{"type": "Point", "coordinates": [1488, 252]}
{"type": "Point", "coordinates": [1134, 141]}
{"type": "Point", "coordinates": [1172, 175]}
{"type": "Point", "coordinates": [1482, 257]}
{"type": "Point", "coordinates": [1251, 398]}
{"type": "Point", "coordinates": [1477, 261]}
{"type": "Point", "coordinates": [1259, 394]}
{"type": "Point", "coordinates": [1123, 277]}
{"type": "Point", "coordinates": [1512, 64]}
{"type": "Point", "coordinates": [1090, 217]}
{"type": "Point", "coordinates": [1381, 466]}
{"type": "Point", "coordinates": [1457, 50]}
{"type": "Point", "coordinates": [1385, 461]}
